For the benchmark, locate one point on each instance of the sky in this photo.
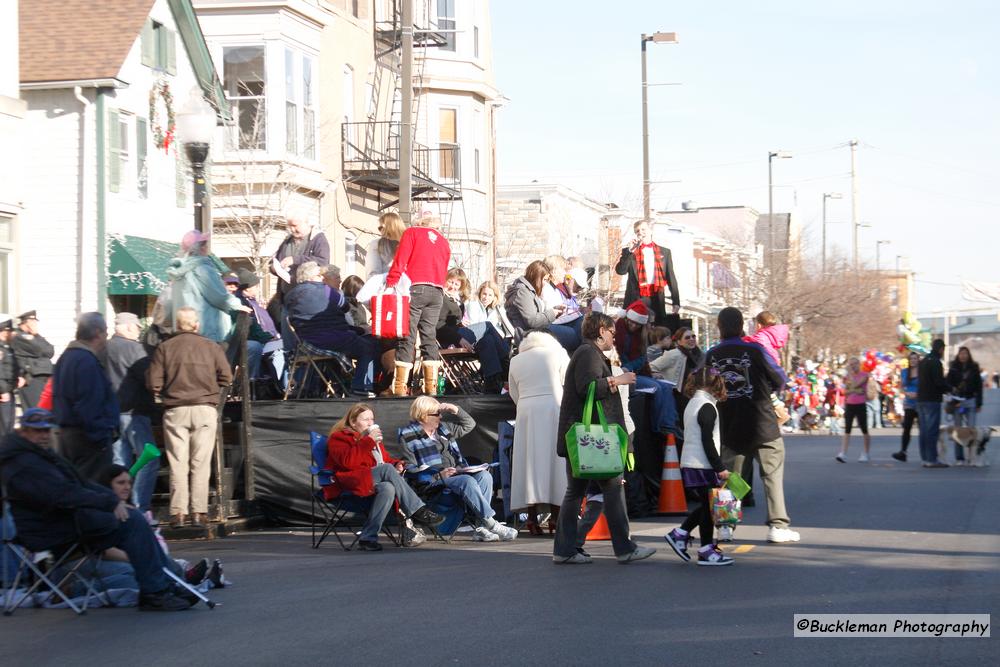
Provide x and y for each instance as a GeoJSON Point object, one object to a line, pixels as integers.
{"type": "Point", "coordinates": [917, 83]}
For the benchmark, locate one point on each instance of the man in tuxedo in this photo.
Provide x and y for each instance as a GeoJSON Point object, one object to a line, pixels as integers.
{"type": "Point", "coordinates": [650, 270]}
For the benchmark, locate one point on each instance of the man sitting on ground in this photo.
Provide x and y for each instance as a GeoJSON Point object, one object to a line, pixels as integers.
{"type": "Point", "coordinates": [53, 506]}
{"type": "Point", "coordinates": [318, 312]}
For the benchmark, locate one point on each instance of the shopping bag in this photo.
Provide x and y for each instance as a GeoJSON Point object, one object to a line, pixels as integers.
{"type": "Point", "coordinates": [596, 451]}
{"type": "Point", "coordinates": [390, 315]}
{"type": "Point", "coordinates": [737, 485]}
{"type": "Point", "coordinates": [727, 510]}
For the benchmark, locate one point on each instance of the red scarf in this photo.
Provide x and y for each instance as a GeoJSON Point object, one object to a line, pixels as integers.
{"type": "Point", "coordinates": [659, 280]}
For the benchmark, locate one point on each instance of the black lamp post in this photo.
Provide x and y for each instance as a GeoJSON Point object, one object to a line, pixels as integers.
{"type": "Point", "coordinates": [195, 127]}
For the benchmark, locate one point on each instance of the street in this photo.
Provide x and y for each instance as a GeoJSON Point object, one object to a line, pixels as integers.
{"type": "Point", "coordinates": [885, 537]}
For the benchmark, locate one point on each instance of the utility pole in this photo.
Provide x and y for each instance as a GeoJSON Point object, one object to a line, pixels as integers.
{"type": "Point", "coordinates": [406, 114]}
{"type": "Point", "coordinates": [645, 137]}
{"type": "Point", "coordinates": [854, 202]}
{"type": "Point", "coordinates": [827, 195]}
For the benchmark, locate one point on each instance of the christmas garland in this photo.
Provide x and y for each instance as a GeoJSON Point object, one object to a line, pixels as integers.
{"type": "Point", "coordinates": [162, 138]}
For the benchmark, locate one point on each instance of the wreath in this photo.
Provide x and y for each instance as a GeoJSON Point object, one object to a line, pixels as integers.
{"type": "Point", "coordinates": [161, 137]}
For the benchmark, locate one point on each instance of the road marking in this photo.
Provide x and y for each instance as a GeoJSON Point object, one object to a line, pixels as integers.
{"type": "Point", "coordinates": [743, 548]}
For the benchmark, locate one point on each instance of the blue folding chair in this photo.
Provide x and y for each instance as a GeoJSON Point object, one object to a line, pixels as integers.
{"type": "Point", "coordinates": [440, 499]}
{"type": "Point", "coordinates": [334, 513]}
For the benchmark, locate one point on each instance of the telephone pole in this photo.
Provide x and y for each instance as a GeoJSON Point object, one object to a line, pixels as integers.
{"type": "Point", "coordinates": [854, 202]}
{"type": "Point", "coordinates": [406, 114]}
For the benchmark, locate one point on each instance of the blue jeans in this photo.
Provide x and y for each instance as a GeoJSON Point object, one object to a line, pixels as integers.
{"type": "Point", "coordinates": [663, 417]}
{"type": "Point", "coordinates": [491, 348]}
{"type": "Point", "coordinates": [568, 335]}
{"type": "Point", "coordinates": [965, 415]}
{"type": "Point", "coordinates": [136, 539]}
{"type": "Point", "coordinates": [362, 348]}
{"type": "Point", "coordinates": [929, 416]}
{"type": "Point", "coordinates": [255, 350]}
{"type": "Point", "coordinates": [136, 431]}
{"type": "Point", "coordinates": [476, 490]}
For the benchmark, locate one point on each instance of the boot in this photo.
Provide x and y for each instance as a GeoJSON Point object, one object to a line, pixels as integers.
{"type": "Point", "coordinates": [431, 377]}
{"type": "Point", "coordinates": [399, 385]}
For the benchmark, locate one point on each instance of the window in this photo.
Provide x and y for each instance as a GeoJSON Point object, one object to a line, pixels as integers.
{"type": "Point", "coordinates": [356, 8]}
{"type": "Point", "coordinates": [446, 21]}
{"type": "Point", "coordinates": [159, 47]}
{"type": "Point", "coordinates": [477, 143]}
{"type": "Point", "coordinates": [475, 41]}
{"type": "Point", "coordinates": [6, 251]}
{"type": "Point", "coordinates": [308, 110]}
{"type": "Point", "coordinates": [243, 74]}
{"type": "Point", "coordinates": [141, 168]}
{"type": "Point", "coordinates": [291, 108]}
{"type": "Point", "coordinates": [118, 142]}
{"type": "Point", "coordinates": [447, 136]}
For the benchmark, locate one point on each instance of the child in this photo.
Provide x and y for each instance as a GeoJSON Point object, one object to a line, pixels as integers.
{"type": "Point", "coordinates": [769, 335]}
{"type": "Point", "coordinates": [701, 467]}
{"type": "Point", "coordinates": [658, 341]}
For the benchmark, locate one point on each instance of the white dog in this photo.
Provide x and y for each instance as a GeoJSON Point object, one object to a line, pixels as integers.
{"type": "Point", "coordinates": [972, 438]}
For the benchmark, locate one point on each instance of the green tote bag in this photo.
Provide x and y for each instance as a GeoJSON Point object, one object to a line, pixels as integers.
{"type": "Point", "coordinates": [596, 451]}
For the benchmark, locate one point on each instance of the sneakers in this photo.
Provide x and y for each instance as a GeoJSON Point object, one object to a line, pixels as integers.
{"type": "Point", "coordinates": [165, 600]}
{"type": "Point", "coordinates": [639, 553]}
{"type": "Point", "coordinates": [412, 536]}
{"type": "Point", "coordinates": [726, 533]}
{"type": "Point", "coordinates": [714, 556]}
{"type": "Point", "coordinates": [483, 534]}
{"type": "Point", "coordinates": [936, 464]}
{"type": "Point", "coordinates": [899, 456]}
{"type": "Point", "coordinates": [369, 545]}
{"type": "Point", "coordinates": [503, 531]}
{"type": "Point", "coordinates": [679, 543]}
{"type": "Point", "coordinates": [582, 552]}
{"type": "Point", "coordinates": [427, 517]}
{"type": "Point", "coordinates": [780, 535]}
{"type": "Point", "coordinates": [863, 458]}
{"type": "Point", "coordinates": [196, 574]}
{"type": "Point", "coordinates": [841, 458]}
{"type": "Point", "coordinates": [576, 559]}
{"type": "Point", "coordinates": [215, 575]}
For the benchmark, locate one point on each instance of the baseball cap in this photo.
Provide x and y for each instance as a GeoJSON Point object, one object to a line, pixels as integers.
{"type": "Point", "coordinates": [39, 418]}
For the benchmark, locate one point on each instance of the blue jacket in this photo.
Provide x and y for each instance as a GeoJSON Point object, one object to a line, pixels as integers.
{"type": "Point", "coordinates": [910, 384]}
{"type": "Point", "coordinates": [197, 284]}
{"type": "Point", "coordinates": [52, 505]}
{"type": "Point", "coordinates": [82, 396]}
{"type": "Point", "coordinates": [315, 308]}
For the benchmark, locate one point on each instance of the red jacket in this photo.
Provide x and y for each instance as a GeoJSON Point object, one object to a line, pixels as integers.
{"type": "Point", "coordinates": [350, 458]}
{"type": "Point", "coordinates": [423, 255]}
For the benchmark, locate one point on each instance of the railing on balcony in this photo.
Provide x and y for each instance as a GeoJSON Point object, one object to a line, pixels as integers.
{"type": "Point", "coordinates": [371, 159]}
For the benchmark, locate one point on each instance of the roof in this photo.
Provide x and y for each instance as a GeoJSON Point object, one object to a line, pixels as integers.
{"type": "Point", "coordinates": [964, 325]}
{"type": "Point", "coordinates": [83, 40]}
{"type": "Point", "coordinates": [73, 40]}
{"type": "Point", "coordinates": [138, 265]}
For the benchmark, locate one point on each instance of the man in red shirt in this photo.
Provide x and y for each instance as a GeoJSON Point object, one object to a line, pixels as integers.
{"type": "Point", "coordinates": [423, 255]}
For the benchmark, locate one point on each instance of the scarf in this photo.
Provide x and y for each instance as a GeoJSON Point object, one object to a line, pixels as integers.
{"type": "Point", "coordinates": [646, 287]}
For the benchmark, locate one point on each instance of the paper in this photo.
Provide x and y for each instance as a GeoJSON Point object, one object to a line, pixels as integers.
{"type": "Point", "coordinates": [470, 470]}
{"type": "Point", "coordinates": [272, 345]}
{"type": "Point", "coordinates": [280, 271]}
{"type": "Point", "coordinates": [567, 317]}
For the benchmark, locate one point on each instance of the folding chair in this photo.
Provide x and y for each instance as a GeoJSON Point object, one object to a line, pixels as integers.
{"type": "Point", "coordinates": [335, 512]}
{"type": "Point", "coordinates": [313, 359]}
{"type": "Point", "coordinates": [461, 370]}
{"type": "Point", "coordinates": [30, 566]}
{"type": "Point", "coordinates": [441, 500]}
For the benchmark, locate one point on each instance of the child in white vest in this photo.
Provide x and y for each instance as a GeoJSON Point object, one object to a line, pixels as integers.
{"type": "Point", "coordinates": [701, 467]}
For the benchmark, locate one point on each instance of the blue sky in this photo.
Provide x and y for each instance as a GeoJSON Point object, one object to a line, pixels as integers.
{"type": "Point", "coordinates": [918, 83]}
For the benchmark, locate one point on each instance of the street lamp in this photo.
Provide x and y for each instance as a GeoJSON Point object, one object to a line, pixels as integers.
{"type": "Point", "coordinates": [781, 155]}
{"type": "Point", "coordinates": [827, 195]}
{"type": "Point", "coordinates": [656, 38]}
{"type": "Point", "coordinates": [878, 247]}
{"type": "Point", "coordinates": [195, 127]}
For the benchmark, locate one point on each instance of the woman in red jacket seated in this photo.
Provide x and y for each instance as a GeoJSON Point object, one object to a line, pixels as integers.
{"type": "Point", "coordinates": [361, 465]}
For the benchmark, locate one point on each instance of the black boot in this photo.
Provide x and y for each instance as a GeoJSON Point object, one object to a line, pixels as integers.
{"type": "Point", "coordinates": [427, 517]}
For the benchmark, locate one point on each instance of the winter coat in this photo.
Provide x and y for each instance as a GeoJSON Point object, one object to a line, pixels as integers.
{"type": "Point", "coordinates": [376, 262]}
{"type": "Point", "coordinates": [119, 356]}
{"type": "Point", "coordinates": [9, 369]}
{"type": "Point", "coordinates": [350, 459]}
{"type": "Point", "coordinates": [82, 396]}
{"type": "Point", "coordinates": [51, 503]}
{"type": "Point", "coordinates": [188, 369]}
{"type": "Point", "coordinates": [197, 284]}
{"type": "Point", "coordinates": [525, 309]}
{"type": "Point", "coordinates": [772, 339]}
{"type": "Point", "coordinates": [931, 385]}
{"type": "Point", "coordinates": [316, 249]}
{"type": "Point", "coordinates": [496, 315]}
{"type": "Point", "coordinates": [626, 265]}
{"type": "Point", "coordinates": [587, 364]}
{"type": "Point", "coordinates": [34, 354]}
{"type": "Point", "coordinates": [966, 381]}
{"type": "Point", "coordinates": [537, 376]}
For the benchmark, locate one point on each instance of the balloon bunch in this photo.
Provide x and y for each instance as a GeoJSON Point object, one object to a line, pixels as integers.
{"type": "Point", "coordinates": [912, 336]}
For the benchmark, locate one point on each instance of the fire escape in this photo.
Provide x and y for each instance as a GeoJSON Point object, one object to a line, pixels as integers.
{"type": "Point", "coordinates": [371, 149]}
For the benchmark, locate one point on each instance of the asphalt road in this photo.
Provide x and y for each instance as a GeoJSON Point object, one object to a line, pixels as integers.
{"type": "Point", "coordinates": [883, 537]}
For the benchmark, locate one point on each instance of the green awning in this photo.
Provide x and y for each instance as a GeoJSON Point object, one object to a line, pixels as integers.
{"type": "Point", "coordinates": [138, 265]}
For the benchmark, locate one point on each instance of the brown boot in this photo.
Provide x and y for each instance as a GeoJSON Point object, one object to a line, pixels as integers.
{"type": "Point", "coordinates": [402, 378]}
{"type": "Point", "coordinates": [431, 377]}
{"type": "Point", "coordinates": [199, 520]}
{"type": "Point", "coordinates": [178, 520]}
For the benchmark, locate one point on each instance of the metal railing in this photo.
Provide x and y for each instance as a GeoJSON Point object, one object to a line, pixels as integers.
{"type": "Point", "coordinates": [370, 148]}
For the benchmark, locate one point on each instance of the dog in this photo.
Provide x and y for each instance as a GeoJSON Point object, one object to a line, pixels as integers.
{"type": "Point", "coordinates": [972, 438]}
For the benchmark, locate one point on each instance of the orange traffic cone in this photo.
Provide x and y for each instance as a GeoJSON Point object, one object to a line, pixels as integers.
{"type": "Point", "coordinates": [600, 530]}
{"type": "Point", "coordinates": [671, 487]}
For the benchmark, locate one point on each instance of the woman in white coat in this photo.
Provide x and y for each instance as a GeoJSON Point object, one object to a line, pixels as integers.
{"type": "Point", "coordinates": [538, 476]}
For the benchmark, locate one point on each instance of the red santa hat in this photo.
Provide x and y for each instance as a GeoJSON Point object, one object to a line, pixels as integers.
{"type": "Point", "coordinates": [637, 312]}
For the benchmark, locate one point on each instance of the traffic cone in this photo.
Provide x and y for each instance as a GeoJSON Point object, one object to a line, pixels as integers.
{"type": "Point", "coordinates": [600, 530]}
{"type": "Point", "coordinates": [671, 487]}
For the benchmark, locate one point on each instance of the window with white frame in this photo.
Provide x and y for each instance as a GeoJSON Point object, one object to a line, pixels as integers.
{"type": "Point", "coordinates": [446, 21]}
{"type": "Point", "coordinates": [308, 109]}
{"type": "Point", "coordinates": [158, 47]}
{"type": "Point", "coordinates": [118, 130]}
{"type": "Point", "coordinates": [300, 104]}
{"type": "Point", "coordinates": [477, 140]}
{"type": "Point", "coordinates": [246, 84]}
{"type": "Point", "coordinates": [291, 105]}
{"type": "Point", "coordinates": [6, 263]}
{"type": "Point", "coordinates": [447, 141]}
{"type": "Point", "coordinates": [475, 41]}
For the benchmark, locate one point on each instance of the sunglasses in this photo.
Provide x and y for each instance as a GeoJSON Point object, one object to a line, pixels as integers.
{"type": "Point", "coordinates": [433, 414]}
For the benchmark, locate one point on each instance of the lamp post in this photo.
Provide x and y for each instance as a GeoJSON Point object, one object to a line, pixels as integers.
{"type": "Point", "coordinates": [878, 247]}
{"type": "Point", "coordinates": [781, 155]}
{"type": "Point", "coordinates": [658, 38]}
{"type": "Point", "coordinates": [195, 127]}
{"type": "Point", "coordinates": [827, 195]}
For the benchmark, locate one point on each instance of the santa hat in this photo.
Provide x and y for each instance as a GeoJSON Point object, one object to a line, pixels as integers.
{"type": "Point", "coordinates": [637, 312]}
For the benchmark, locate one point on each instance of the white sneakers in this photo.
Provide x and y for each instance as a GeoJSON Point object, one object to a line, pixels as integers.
{"type": "Point", "coordinates": [481, 534]}
{"type": "Point", "coordinates": [863, 458]}
{"type": "Point", "coordinates": [638, 554]}
{"type": "Point", "coordinates": [502, 532]}
{"type": "Point", "coordinates": [781, 535]}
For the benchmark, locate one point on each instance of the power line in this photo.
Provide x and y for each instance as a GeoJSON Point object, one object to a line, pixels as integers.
{"type": "Point", "coordinates": [917, 158]}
